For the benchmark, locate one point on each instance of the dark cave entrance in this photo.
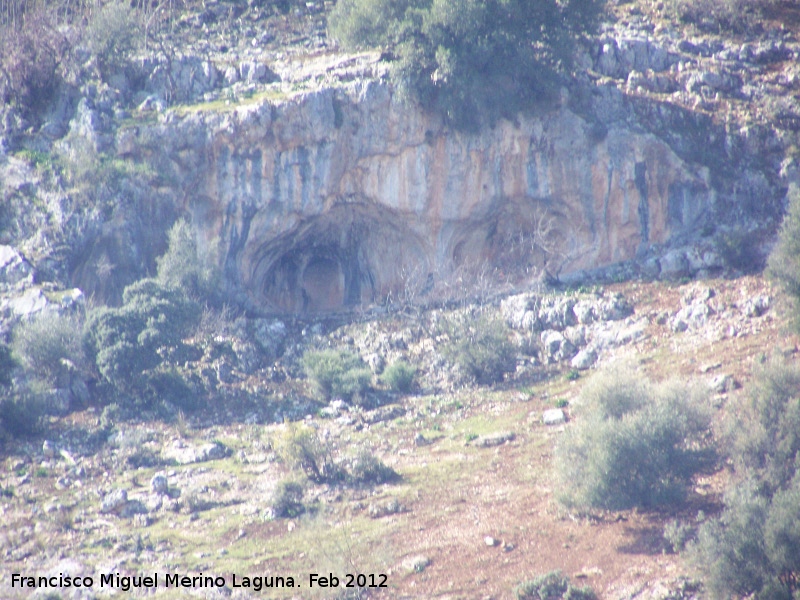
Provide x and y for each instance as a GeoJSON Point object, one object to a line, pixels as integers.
{"type": "Point", "coordinates": [322, 285]}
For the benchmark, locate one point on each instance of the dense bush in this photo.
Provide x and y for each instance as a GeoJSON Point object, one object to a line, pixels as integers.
{"type": "Point", "coordinates": [552, 586]}
{"type": "Point", "coordinates": [472, 60]}
{"type": "Point", "coordinates": [635, 444]}
{"type": "Point", "coordinates": [784, 262]}
{"type": "Point", "coordinates": [740, 250]}
{"type": "Point", "coordinates": [367, 469]}
{"type": "Point", "coordinates": [482, 350]}
{"type": "Point", "coordinates": [30, 60]}
{"type": "Point", "coordinates": [124, 341]}
{"type": "Point", "coordinates": [168, 385]}
{"type": "Point", "coordinates": [182, 265]}
{"type": "Point", "coordinates": [21, 412]}
{"type": "Point", "coordinates": [112, 36]}
{"type": "Point", "coordinates": [766, 427]}
{"type": "Point", "coordinates": [287, 500]}
{"type": "Point", "coordinates": [49, 345]}
{"type": "Point", "coordinates": [7, 365]}
{"type": "Point", "coordinates": [399, 376]}
{"type": "Point", "coordinates": [337, 373]}
{"type": "Point", "coordinates": [753, 548]}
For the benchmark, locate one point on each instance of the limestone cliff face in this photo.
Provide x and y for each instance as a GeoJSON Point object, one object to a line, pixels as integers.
{"type": "Point", "coordinates": [341, 197]}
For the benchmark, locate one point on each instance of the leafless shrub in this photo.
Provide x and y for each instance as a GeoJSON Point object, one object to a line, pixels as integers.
{"type": "Point", "coordinates": [31, 53]}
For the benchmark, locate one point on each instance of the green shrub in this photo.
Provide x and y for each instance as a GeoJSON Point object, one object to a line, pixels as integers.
{"type": "Point", "coordinates": [766, 431]}
{"type": "Point", "coordinates": [367, 469]}
{"type": "Point", "coordinates": [482, 350]}
{"type": "Point", "coordinates": [112, 36]}
{"type": "Point", "coordinates": [111, 415]}
{"type": "Point", "coordinates": [740, 554]}
{"type": "Point", "coordinates": [472, 60]}
{"type": "Point", "coordinates": [678, 535]}
{"type": "Point", "coordinates": [783, 265]}
{"type": "Point", "coordinates": [31, 56]}
{"type": "Point", "coordinates": [552, 586]}
{"type": "Point", "coordinates": [182, 265]}
{"type": "Point", "coordinates": [7, 365]}
{"type": "Point", "coordinates": [125, 341]}
{"type": "Point", "coordinates": [47, 345]}
{"type": "Point", "coordinates": [301, 447]}
{"type": "Point", "coordinates": [739, 250]}
{"type": "Point", "coordinates": [753, 548]}
{"type": "Point", "coordinates": [635, 444]}
{"type": "Point", "coordinates": [337, 373]}
{"type": "Point", "coordinates": [287, 500]}
{"type": "Point", "coordinates": [168, 385]}
{"type": "Point", "coordinates": [21, 413]}
{"type": "Point", "coordinates": [399, 376]}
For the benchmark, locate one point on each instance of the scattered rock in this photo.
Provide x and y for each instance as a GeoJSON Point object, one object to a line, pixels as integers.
{"type": "Point", "coordinates": [722, 384]}
{"type": "Point", "coordinates": [184, 455]}
{"type": "Point", "coordinates": [757, 306]}
{"type": "Point", "coordinates": [114, 502]}
{"type": "Point", "coordinates": [554, 416]}
{"type": "Point", "coordinates": [270, 334]}
{"type": "Point", "coordinates": [674, 265]}
{"type": "Point", "coordinates": [383, 413]}
{"type": "Point", "coordinates": [392, 507]}
{"type": "Point", "coordinates": [48, 449]}
{"type": "Point", "coordinates": [555, 346]}
{"type": "Point", "coordinates": [159, 483]}
{"type": "Point", "coordinates": [13, 267]}
{"type": "Point", "coordinates": [30, 303]}
{"type": "Point", "coordinates": [493, 439]}
{"type": "Point", "coordinates": [416, 564]}
{"type": "Point", "coordinates": [584, 359]}
{"type": "Point", "coordinates": [490, 541]}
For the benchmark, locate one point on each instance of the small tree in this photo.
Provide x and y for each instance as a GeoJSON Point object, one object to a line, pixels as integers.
{"type": "Point", "coordinates": [472, 60]}
{"type": "Point", "coordinates": [30, 60]}
{"type": "Point", "coordinates": [300, 447]}
{"type": "Point", "coordinates": [47, 345]}
{"type": "Point", "coordinates": [124, 341]}
{"type": "Point", "coordinates": [182, 265]}
{"type": "Point", "coordinates": [112, 36]}
{"type": "Point", "coordinates": [482, 350]}
{"type": "Point", "coordinates": [635, 444]}
{"type": "Point", "coordinates": [784, 262]}
{"type": "Point", "coordinates": [766, 427]}
{"type": "Point", "coordinates": [753, 548]}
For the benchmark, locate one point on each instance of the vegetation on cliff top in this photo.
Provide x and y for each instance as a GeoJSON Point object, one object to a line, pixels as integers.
{"type": "Point", "coordinates": [473, 61]}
